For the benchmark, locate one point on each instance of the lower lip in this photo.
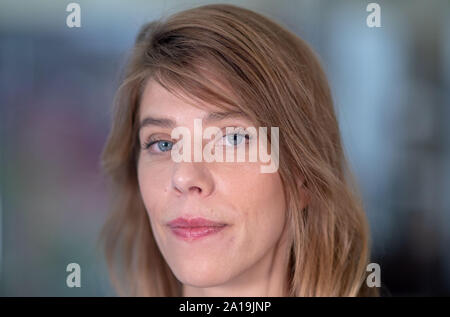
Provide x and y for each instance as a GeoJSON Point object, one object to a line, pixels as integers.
{"type": "Point", "coordinates": [194, 233]}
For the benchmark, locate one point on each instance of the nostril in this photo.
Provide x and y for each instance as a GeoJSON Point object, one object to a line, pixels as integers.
{"type": "Point", "coordinates": [195, 188]}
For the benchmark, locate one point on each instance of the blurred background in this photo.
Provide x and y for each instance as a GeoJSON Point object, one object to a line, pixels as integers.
{"type": "Point", "coordinates": [391, 87]}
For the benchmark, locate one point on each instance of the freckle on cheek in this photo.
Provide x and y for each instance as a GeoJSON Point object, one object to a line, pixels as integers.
{"type": "Point", "coordinates": [230, 242]}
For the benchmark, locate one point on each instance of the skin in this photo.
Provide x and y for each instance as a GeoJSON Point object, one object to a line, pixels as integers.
{"type": "Point", "coordinates": [249, 256]}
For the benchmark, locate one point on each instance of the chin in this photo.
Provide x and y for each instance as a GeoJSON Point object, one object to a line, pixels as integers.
{"type": "Point", "coordinates": [200, 275]}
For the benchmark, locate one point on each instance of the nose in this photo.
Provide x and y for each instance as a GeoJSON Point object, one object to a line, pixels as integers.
{"type": "Point", "coordinates": [192, 178]}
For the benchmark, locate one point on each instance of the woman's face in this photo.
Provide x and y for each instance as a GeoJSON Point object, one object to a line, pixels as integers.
{"type": "Point", "coordinates": [246, 207]}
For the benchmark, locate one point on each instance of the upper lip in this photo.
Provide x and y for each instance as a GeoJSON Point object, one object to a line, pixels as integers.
{"type": "Point", "coordinates": [194, 222]}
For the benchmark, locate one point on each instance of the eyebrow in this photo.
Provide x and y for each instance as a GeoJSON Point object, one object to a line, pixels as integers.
{"type": "Point", "coordinates": [210, 117]}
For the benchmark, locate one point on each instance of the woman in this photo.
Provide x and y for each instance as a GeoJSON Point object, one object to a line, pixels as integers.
{"type": "Point", "coordinates": [215, 228]}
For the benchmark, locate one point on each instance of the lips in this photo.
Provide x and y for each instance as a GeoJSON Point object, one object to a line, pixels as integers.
{"type": "Point", "coordinates": [194, 228]}
{"type": "Point", "coordinates": [193, 222]}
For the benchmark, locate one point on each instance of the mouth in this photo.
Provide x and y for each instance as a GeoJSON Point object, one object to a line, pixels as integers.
{"type": "Point", "coordinates": [195, 228]}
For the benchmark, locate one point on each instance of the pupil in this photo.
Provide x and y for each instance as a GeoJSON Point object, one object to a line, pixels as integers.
{"type": "Point", "coordinates": [164, 145]}
{"type": "Point", "coordinates": [235, 138]}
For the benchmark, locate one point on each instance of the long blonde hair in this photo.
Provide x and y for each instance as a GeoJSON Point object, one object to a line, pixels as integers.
{"type": "Point", "coordinates": [277, 80]}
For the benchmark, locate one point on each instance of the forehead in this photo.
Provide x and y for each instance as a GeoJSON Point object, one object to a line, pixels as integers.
{"type": "Point", "coordinates": [156, 100]}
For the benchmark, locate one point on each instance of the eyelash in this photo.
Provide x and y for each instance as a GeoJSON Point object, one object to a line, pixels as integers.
{"type": "Point", "coordinates": [152, 140]}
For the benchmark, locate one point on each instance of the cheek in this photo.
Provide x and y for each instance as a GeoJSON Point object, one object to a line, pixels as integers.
{"type": "Point", "coordinates": [267, 197]}
{"type": "Point", "coordinates": [260, 202]}
{"type": "Point", "coordinates": [153, 185]}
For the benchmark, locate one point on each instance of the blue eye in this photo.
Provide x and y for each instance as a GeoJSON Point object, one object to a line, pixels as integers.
{"type": "Point", "coordinates": [236, 138]}
{"type": "Point", "coordinates": [162, 145]}
{"type": "Point", "coordinates": [165, 145]}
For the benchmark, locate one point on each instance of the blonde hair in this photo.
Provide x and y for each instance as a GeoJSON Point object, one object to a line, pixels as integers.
{"type": "Point", "coordinates": [276, 80]}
